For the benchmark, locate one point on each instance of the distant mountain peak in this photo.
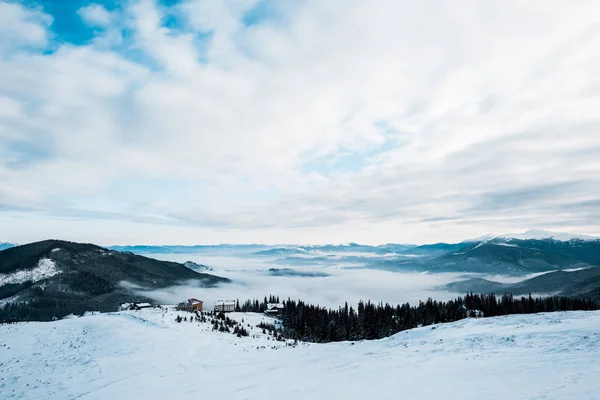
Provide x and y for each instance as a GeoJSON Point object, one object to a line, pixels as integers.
{"type": "Point", "coordinates": [6, 245]}
{"type": "Point", "coordinates": [538, 234]}
{"type": "Point", "coordinates": [535, 234]}
{"type": "Point", "coordinates": [482, 238]}
{"type": "Point", "coordinates": [197, 267]}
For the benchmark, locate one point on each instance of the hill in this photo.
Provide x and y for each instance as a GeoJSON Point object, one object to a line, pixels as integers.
{"type": "Point", "coordinates": [56, 277]}
{"type": "Point", "coordinates": [146, 354]}
{"type": "Point", "coordinates": [584, 282]}
{"type": "Point", "coordinates": [516, 256]}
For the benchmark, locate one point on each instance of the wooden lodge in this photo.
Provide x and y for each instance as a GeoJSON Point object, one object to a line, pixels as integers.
{"type": "Point", "coordinates": [190, 305]}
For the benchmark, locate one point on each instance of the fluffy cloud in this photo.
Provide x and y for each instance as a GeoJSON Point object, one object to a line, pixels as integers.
{"type": "Point", "coordinates": [22, 28]}
{"type": "Point", "coordinates": [95, 15]}
{"type": "Point", "coordinates": [307, 122]}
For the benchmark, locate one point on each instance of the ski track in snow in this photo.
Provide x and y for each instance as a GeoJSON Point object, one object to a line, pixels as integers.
{"type": "Point", "coordinates": [46, 268]}
{"type": "Point", "coordinates": [147, 355]}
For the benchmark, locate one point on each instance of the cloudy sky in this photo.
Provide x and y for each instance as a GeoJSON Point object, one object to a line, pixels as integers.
{"type": "Point", "coordinates": [195, 121]}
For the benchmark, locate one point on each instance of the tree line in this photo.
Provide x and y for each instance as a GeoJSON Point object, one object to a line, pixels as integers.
{"type": "Point", "coordinates": [312, 323]}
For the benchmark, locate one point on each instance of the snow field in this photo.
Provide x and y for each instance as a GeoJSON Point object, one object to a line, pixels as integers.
{"type": "Point", "coordinates": [147, 355]}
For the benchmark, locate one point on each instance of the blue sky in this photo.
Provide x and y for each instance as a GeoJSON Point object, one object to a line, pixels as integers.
{"type": "Point", "coordinates": [194, 121]}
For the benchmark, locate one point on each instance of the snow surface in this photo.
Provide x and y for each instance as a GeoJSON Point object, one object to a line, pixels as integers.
{"type": "Point", "coordinates": [147, 355]}
{"type": "Point", "coordinates": [45, 268]}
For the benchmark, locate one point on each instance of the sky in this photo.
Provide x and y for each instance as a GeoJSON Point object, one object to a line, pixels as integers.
{"type": "Point", "coordinates": [251, 121]}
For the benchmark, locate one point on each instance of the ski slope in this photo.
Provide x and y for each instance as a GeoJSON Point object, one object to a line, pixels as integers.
{"type": "Point", "coordinates": [147, 355]}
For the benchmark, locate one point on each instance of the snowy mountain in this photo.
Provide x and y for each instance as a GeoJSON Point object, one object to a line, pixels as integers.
{"type": "Point", "coordinates": [53, 276]}
{"type": "Point", "coordinates": [534, 251]}
{"type": "Point", "coordinates": [531, 252]}
{"type": "Point", "coordinates": [535, 234]}
{"type": "Point", "coordinates": [180, 249]}
{"type": "Point", "coordinates": [197, 267]}
{"type": "Point", "coordinates": [517, 257]}
{"type": "Point", "coordinates": [6, 245]}
{"type": "Point", "coordinates": [334, 249]}
{"type": "Point", "coordinates": [146, 354]}
{"type": "Point", "coordinates": [574, 283]}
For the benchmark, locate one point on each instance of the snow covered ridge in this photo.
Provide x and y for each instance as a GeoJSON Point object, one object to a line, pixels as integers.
{"type": "Point", "coordinates": [148, 355]}
{"type": "Point", "coordinates": [45, 268]}
{"type": "Point", "coordinates": [536, 234]}
{"type": "Point", "coordinates": [197, 267]}
{"type": "Point", "coordinates": [6, 245]}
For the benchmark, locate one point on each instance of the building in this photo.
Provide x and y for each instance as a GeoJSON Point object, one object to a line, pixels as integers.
{"type": "Point", "coordinates": [134, 306]}
{"type": "Point", "coordinates": [190, 305]}
{"type": "Point", "coordinates": [273, 308]}
{"type": "Point", "coordinates": [224, 306]}
{"type": "Point", "coordinates": [475, 314]}
{"type": "Point", "coordinates": [471, 313]}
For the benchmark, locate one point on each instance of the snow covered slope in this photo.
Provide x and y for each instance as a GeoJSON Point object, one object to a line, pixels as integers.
{"type": "Point", "coordinates": [146, 355]}
{"type": "Point", "coordinates": [46, 268]}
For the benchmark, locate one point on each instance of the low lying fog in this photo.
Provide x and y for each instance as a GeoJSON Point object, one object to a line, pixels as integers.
{"type": "Point", "coordinates": [252, 279]}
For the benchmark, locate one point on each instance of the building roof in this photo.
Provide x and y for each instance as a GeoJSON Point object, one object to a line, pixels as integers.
{"type": "Point", "coordinates": [193, 300]}
{"type": "Point", "coordinates": [225, 302]}
{"type": "Point", "coordinates": [271, 306]}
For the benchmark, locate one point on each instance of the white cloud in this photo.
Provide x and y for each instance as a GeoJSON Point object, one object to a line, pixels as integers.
{"type": "Point", "coordinates": [457, 116]}
{"type": "Point", "coordinates": [21, 26]}
{"type": "Point", "coordinates": [10, 108]}
{"type": "Point", "coordinates": [95, 15]}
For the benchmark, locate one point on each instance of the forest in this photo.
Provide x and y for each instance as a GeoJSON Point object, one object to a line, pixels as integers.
{"type": "Point", "coordinates": [312, 323]}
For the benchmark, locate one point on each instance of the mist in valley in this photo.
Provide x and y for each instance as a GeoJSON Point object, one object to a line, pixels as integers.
{"type": "Point", "coordinates": [328, 284]}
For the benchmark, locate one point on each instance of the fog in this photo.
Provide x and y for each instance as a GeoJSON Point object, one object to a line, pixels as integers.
{"type": "Point", "coordinates": [251, 279]}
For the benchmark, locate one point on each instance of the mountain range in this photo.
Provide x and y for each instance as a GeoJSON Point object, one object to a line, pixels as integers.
{"type": "Point", "coordinates": [516, 256]}
{"type": "Point", "coordinates": [572, 283]}
{"type": "Point", "coordinates": [534, 251]}
{"type": "Point", "coordinates": [502, 255]}
{"type": "Point", "coordinates": [62, 275]}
